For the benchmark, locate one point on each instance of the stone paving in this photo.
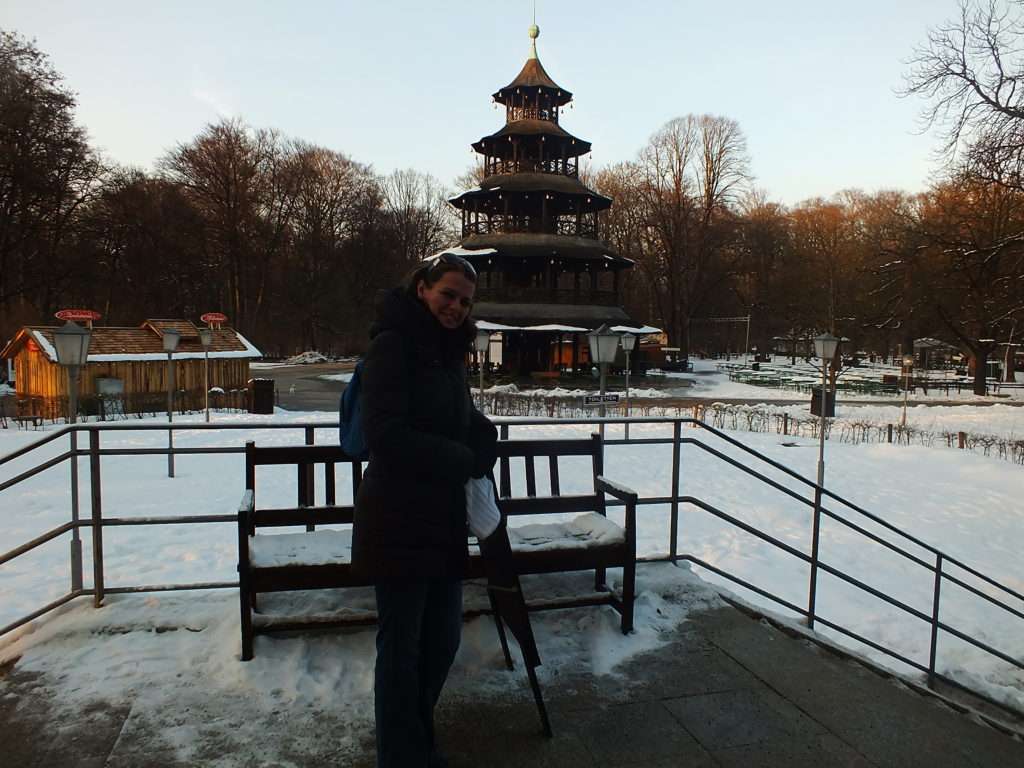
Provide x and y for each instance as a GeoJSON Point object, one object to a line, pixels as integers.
{"type": "Point", "coordinates": [730, 690]}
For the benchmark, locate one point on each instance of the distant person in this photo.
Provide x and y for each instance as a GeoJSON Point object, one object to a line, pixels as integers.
{"type": "Point", "coordinates": [426, 439]}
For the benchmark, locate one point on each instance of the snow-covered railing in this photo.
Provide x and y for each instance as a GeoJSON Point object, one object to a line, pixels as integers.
{"type": "Point", "coordinates": [943, 570]}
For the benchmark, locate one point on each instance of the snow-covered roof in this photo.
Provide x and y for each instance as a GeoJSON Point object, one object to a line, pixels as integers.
{"type": "Point", "coordinates": [930, 343]}
{"type": "Point", "coordinates": [555, 327]}
{"type": "Point", "coordinates": [458, 250]}
{"type": "Point", "coordinates": [486, 325]}
{"type": "Point", "coordinates": [114, 344]}
{"type": "Point", "coordinates": [642, 330]}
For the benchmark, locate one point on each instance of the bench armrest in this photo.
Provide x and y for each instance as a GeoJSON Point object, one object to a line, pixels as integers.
{"type": "Point", "coordinates": [620, 492]}
{"type": "Point", "coordinates": [627, 495]}
{"type": "Point", "coordinates": [248, 502]}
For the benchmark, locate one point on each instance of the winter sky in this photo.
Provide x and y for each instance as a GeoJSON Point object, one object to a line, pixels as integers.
{"type": "Point", "coordinates": [403, 83]}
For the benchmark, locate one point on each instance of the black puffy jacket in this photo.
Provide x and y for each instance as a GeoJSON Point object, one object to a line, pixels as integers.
{"type": "Point", "coordinates": [425, 437]}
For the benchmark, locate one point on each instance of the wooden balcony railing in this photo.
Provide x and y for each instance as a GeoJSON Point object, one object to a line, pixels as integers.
{"type": "Point", "coordinates": [496, 165]}
{"type": "Point", "coordinates": [508, 224]}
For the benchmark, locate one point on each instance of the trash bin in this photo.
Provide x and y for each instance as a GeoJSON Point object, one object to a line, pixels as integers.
{"type": "Point", "coordinates": [830, 403]}
{"type": "Point", "coordinates": [261, 396]}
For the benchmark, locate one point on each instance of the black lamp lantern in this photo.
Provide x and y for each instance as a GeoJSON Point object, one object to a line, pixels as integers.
{"type": "Point", "coordinates": [72, 343]}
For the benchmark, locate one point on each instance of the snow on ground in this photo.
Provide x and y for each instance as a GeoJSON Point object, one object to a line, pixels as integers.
{"type": "Point", "coordinates": [1006, 421]}
{"type": "Point", "coordinates": [306, 358]}
{"type": "Point", "coordinates": [539, 392]}
{"type": "Point", "coordinates": [346, 377]}
{"type": "Point", "coordinates": [966, 504]}
{"type": "Point", "coordinates": [169, 654]}
{"type": "Point", "coordinates": [708, 381]}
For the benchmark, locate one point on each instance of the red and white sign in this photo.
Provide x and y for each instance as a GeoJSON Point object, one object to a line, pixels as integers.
{"type": "Point", "coordinates": [214, 318]}
{"type": "Point", "coordinates": [78, 314]}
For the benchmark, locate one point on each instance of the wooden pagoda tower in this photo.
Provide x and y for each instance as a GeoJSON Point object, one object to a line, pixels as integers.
{"type": "Point", "coordinates": [532, 230]}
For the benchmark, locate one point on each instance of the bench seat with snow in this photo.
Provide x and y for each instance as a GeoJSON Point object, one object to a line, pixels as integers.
{"type": "Point", "coordinates": [574, 533]}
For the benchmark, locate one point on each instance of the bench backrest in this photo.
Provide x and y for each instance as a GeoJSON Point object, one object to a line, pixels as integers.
{"type": "Point", "coordinates": [534, 450]}
{"type": "Point", "coordinates": [306, 457]}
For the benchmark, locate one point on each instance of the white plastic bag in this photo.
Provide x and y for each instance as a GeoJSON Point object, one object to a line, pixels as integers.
{"type": "Point", "coordinates": [481, 509]}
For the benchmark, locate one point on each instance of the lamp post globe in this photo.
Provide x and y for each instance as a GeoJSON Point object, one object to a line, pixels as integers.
{"type": "Point", "coordinates": [825, 346]}
{"type": "Point", "coordinates": [603, 344]}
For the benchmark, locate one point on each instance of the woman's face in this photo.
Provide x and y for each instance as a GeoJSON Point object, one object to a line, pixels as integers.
{"type": "Point", "coordinates": [449, 299]}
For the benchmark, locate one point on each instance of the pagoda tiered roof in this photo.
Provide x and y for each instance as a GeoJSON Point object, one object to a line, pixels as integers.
{"type": "Point", "coordinates": [542, 246]}
{"type": "Point", "coordinates": [494, 143]}
{"type": "Point", "coordinates": [533, 75]}
{"type": "Point", "coordinates": [534, 182]}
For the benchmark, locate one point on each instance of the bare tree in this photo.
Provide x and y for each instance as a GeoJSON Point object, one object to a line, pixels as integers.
{"type": "Point", "coordinates": [690, 175]}
{"type": "Point", "coordinates": [47, 172]}
{"type": "Point", "coordinates": [472, 176]}
{"type": "Point", "coordinates": [238, 178]}
{"type": "Point", "coordinates": [971, 71]}
{"type": "Point", "coordinates": [331, 188]}
{"type": "Point", "coordinates": [418, 207]}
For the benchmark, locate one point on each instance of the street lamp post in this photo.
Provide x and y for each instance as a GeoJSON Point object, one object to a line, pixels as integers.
{"type": "Point", "coordinates": [480, 343]}
{"type": "Point", "coordinates": [206, 339]}
{"type": "Point", "coordinates": [908, 365]}
{"type": "Point", "coordinates": [171, 339]}
{"type": "Point", "coordinates": [825, 346]}
{"type": "Point", "coordinates": [603, 345]}
{"type": "Point", "coordinates": [72, 343]}
{"type": "Point", "coordinates": [628, 341]}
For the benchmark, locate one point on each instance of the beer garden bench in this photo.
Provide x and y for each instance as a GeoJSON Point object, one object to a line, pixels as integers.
{"type": "Point", "coordinates": [582, 538]}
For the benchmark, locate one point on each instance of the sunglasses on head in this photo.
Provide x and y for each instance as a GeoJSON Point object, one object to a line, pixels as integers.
{"type": "Point", "coordinates": [451, 260]}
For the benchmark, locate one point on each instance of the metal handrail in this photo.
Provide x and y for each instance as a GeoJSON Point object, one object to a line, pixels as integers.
{"type": "Point", "coordinates": [97, 522]}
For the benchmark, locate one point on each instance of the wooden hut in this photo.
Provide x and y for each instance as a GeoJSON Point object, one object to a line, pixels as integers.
{"type": "Point", "coordinates": [127, 369]}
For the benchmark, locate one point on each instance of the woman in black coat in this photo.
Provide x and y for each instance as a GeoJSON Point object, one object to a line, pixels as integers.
{"type": "Point", "coordinates": [426, 439]}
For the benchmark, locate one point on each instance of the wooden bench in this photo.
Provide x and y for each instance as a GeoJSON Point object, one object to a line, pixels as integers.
{"type": "Point", "coordinates": [583, 539]}
{"type": "Point", "coordinates": [33, 419]}
{"type": "Point", "coordinates": [28, 411]}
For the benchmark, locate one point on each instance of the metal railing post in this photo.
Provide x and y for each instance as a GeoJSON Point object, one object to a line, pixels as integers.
{"type": "Point", "coordinates": [815, 531]}
{"type": "Point", "coordinates": [935, 619]}
{"type": "Point", "coordinates": [76, 539]}
{"type": "Point", "coordinates": [97, 517]}
{"type": "Point", "coordinates": [673, 543]}
{"type": "Point", "coordinates": [309, 479]}
{"type": "Point", "coordinates": [504, 471]}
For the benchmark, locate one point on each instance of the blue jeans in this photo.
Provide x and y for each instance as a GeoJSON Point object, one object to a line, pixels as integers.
{"type": "Point", "coordinates": [419, 627]}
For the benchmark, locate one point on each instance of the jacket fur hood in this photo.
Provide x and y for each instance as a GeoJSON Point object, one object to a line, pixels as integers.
{"type": "Point", "coordinates": [397, 310]}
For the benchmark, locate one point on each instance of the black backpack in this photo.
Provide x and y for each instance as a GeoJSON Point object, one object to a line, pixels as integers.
{"type": "Point", "coordinates": [350, 430]}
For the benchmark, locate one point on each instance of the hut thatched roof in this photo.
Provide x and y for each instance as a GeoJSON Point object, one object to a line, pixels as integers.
{"type": "Point", "coordinates": [111, 344]}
